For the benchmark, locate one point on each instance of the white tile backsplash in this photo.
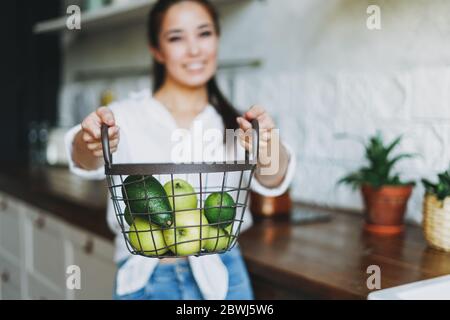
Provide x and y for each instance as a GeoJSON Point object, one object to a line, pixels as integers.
{"type": "Point", "coordinates": [312, 108]}
{"type": "Point", "coordinates": [430, 94]}
{"type": "Point", "coordinates": [389, 95]}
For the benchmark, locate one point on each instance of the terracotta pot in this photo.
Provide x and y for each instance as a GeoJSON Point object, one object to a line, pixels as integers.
{"type": "Point", "coordinates": [385, 208]}
{"type": "Point", "coordinates": [265, 207]}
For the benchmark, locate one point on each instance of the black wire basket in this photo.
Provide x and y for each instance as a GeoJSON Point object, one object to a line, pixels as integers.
{"type": "Point", "coordinates": [180, 209]}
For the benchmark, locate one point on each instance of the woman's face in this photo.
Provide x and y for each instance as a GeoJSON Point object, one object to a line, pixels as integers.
{"type": "Point", "coordinates": [188, 44]}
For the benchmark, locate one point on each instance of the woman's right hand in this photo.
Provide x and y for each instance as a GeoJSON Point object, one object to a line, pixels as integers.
{"type": "Point", "coordinates": [91, 131]}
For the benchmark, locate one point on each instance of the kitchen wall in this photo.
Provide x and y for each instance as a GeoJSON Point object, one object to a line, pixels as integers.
{"type": "Point", "coordinates": [323, 73]}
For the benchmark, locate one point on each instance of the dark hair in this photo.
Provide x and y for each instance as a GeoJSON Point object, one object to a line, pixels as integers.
{"type": "Point", "coordinates": [215, 96]}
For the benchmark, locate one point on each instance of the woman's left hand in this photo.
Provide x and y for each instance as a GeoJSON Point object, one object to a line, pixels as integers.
{"type": "Point", "coordinates": [273, 158]}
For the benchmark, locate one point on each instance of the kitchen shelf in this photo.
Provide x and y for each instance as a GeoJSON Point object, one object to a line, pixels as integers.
{"type": "Point", "coordinates": [136, 71]}
{"type": "Point", "coordinates": [108, 16]}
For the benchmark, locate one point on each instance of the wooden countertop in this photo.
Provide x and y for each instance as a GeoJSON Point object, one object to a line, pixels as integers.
{"type": "Point", "coordinates": [58, 192]}
{"type": "Point", "coordinates": [322, 260]}
{"type": "Point", "coordinates": [329, 260]}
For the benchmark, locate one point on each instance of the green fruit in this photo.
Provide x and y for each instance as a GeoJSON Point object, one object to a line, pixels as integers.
{"type": "Point", "coordinates": [181, 187]}
{"type": "Point", "coordinates": [147, 238]}
{"type": "Point", "coordinates": [144, 194]}
{"type": "Point", "coordinates": [127, 215]}
{"type": "Point", "coordinates": [228, 229]}
{"type": "Point", "coordinates": [187, 232]}
{"type": "Point", "coordinates": [217, 240]}
{"type": "Point", "coordinates": [220, 217]}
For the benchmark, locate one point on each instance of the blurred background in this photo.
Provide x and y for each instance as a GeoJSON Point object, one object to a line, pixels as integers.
{"type": "Point", "coordinates": [315, 65]}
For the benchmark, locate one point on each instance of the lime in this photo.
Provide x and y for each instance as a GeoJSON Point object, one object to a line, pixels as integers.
{"type": "Point", "coordinates": [220, 217]}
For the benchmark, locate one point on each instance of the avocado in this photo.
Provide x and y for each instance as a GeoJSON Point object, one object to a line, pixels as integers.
{"type": "Point", "coordinates": [144, 194]}
{"type": "Point", "coordinates": [131, 217]}
{"type": "Point", "coordinates": [222, 216]}
{"type": "Point", "coordinates": [128, 217]}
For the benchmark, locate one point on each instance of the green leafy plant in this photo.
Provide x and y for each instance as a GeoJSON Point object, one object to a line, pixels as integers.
{"type": "Point", "coordinates": [378, 172]}
{"type": "Point", "coordinates": [441, 189]}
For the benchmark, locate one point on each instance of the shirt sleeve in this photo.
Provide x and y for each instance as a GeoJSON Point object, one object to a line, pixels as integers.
{"type": "Point", "coordinates": [282, 188]}
{"type": "Point", "coordinates": [97, 174]}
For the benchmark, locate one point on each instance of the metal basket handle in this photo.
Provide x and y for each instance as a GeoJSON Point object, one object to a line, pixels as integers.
{"type": "Point", "coordinates": [107, 156]}
{"type": "Point", "coordinates": [255, 141]}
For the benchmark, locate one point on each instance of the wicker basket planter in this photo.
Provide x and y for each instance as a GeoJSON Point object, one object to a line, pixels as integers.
{"type": "Point", "coordinates": [436, 222]}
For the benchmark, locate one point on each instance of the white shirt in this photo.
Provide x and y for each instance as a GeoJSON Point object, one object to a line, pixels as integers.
{"type": "Point", "coordinates": [148, 134]}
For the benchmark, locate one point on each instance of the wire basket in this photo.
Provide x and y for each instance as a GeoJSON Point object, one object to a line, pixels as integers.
{"type": "Point", "coordinates": [180, 209]}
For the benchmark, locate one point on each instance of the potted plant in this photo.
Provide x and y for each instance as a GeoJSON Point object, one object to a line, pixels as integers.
{"type": "Point", "coordinates": [385, 195]}
{"type": "Point", "coordinates": [436, 212]}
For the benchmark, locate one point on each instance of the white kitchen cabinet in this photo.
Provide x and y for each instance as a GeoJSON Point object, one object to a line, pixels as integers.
{"type": "Point", "coordinates": [44, 247]}
{"type": "Point", "coordinates": [94, 257]}
{"type": "Point", "coordinates": [10, 279]}
{"type": "Point", "coordinates": [11, 248]}
{"type": "Point", "coordinates": [10, 232]}
{"type": "Point", "coordinates": [9, 272]}
{"type": "Point", "coordinates": [36, 249]}
{"type": "Point", "coordinates": [42, 289]}
{"type": "Point", "coordinates": [10, 292]}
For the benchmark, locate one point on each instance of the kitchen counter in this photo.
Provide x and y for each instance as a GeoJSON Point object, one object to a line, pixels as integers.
{"type": "Point", "coordinates": [321, 260]}
{"type": "Point", "coordinates": [330, 260]}
{"type": "Point", "coordinates": [57, 191]}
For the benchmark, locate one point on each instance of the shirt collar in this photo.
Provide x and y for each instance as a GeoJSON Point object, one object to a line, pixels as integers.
{"type": "Point", "coordinates": [205, 112]}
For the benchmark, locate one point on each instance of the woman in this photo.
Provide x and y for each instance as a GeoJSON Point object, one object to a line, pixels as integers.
{"type": "Point", "coordinates": [183, 37]}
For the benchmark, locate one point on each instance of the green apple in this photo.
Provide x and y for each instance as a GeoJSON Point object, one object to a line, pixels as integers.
{"type": "Point", "coordinates": [189, 227]}
{"type": "Point", "coordinates": [217, 239]}
{"type": "Point", "coordinates": [147, 238]}
{"type": "Point", "coordinates": [228, 228]}
{"type": "Point", "coordinates": [180, 187]}
{"type": "Point", "coordinates": [231, 227]}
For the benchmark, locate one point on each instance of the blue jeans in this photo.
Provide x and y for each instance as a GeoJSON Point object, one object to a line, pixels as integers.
{"type": "Point", "coordinates": [176, 281]}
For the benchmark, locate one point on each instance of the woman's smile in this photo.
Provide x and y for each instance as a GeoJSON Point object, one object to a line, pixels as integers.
{"type": "Point", "coordinates": [195, 66]}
